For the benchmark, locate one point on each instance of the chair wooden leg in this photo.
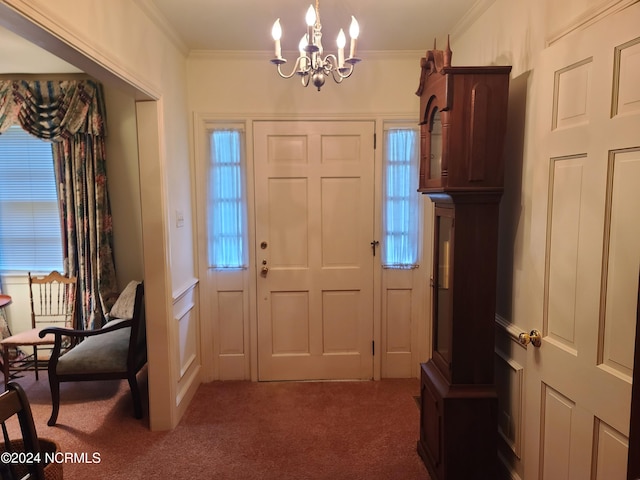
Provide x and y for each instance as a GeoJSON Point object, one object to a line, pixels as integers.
{"type": "Point", "coordinates": [35, 359]}
{"type": "Point", "coordinates": [54, 385]}
{"type": "Point", "coordinates": [5, 364]}
{"type": "Point", "coordinates": [135, 395]}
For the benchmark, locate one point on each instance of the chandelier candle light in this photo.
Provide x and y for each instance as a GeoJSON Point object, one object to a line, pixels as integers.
{"type": "Point", "coordinates": [311, 66]}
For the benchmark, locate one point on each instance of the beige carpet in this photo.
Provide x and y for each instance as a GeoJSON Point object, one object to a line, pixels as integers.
{"type": "Point", "coordinates": [240, 430]}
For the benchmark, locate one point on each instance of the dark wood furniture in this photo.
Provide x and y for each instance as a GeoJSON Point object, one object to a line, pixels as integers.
{"type": "Point", "coordinates": [4, 327]}
{"type": "Point", "coordinates": [463, 123]}
{"type": "Point", "coordinates": [14, 402]}
{"type": "Point", "coordinates": [116, 351]}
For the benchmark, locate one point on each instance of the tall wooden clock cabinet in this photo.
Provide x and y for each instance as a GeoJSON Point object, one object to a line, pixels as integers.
{"type": "Point", "coordinates": [463, 122]}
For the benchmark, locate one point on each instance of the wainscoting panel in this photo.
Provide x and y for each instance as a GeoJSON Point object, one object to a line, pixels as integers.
{"type": "Point", "coordinates": [186, 338]}
{"type": "Point", "coordinates": [231, 316]}
{"type": "Point", "coordinates": [232, 339]}
{"type": "Point", "coordinates": [187, 320]}
{"type": "Point", "coordinates": [510, 384]}
{"type": "Point", "coordinates": [511, 362]}
{"type": "Point", "coordinates": [405, 339]}
{"type": "Point", "coordinates": [397, 350]}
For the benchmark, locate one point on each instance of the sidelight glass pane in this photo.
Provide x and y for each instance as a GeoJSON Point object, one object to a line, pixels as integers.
{"type": "Point", "coordinates": [401, 200]}
{"type": "Point", "coordinates": [226, 211]}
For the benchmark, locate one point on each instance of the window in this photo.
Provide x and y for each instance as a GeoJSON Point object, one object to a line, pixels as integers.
{"type": "Point", "coordinates": [401, 201]}
{"type": "Point", "coordinates": [30, 235]}
{"type": "Point", "coordinates": [227, 202]}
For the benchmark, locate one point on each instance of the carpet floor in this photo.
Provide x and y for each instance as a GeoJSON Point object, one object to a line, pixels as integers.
{"type": "Point", "coordinates": [239, 430]}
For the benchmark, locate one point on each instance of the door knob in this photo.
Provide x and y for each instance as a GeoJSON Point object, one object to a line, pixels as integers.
{"type": "Point", "coordinates": [264, 270]}
{"type": "Point", "coordinates": [534, 337]}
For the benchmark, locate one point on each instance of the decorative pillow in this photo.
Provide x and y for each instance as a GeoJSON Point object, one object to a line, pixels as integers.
{"type": "Point", "coordinates": [123, 308]}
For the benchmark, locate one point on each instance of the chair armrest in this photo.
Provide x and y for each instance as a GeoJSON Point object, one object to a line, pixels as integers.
{"type": "Point", "coordinates": [67, 332]}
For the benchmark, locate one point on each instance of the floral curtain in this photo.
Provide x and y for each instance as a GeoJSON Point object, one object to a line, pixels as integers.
{"type": "Point", "coordinates": [71, 114]}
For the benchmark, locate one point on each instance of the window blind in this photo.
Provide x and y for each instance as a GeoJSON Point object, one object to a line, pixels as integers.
{"type": "Point", "coordinates": [30, 236]}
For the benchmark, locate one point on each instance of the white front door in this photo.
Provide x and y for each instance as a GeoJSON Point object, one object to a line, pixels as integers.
{"type": "Point", "coordinates": [314, 204]}
{"type": "Point", "coordinates": [578, 382]}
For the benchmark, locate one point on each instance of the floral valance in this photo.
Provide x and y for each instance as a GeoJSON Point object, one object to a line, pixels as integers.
{"type": "Point", "coordinates": [53, 110]}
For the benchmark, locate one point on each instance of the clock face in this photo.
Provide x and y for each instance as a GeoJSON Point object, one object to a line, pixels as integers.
{"type": "Point", "coordinates": [435, 158]}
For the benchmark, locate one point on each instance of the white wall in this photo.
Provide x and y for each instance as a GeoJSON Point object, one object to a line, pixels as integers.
{"type": "Point", "coordinates": [247, 84]}
{"type": "Point", "coordinates": [123, 178]}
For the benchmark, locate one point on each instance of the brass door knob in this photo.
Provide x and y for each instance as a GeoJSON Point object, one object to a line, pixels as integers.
{"type": "Point", "coordinates": [534, 337]}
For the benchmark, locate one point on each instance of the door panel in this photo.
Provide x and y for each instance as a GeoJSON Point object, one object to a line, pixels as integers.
{"type": "Point", "coordinates": [314, 194]}
{"type": "Point", "coordinates": [578, 385]}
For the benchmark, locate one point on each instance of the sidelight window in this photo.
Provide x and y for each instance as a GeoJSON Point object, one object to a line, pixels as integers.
{"type": "Point", "coordinates": [401, 201]}
{"type": "Point", "coordinates": [227, 222]}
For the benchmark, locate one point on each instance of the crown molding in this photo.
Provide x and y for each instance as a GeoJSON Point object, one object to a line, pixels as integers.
{"type": "Point", "coordinates": [264, 55]}
{"type": "Point", "coordinates": [469, 18]}
{"type": "Point", "coordinates": [157, 17]}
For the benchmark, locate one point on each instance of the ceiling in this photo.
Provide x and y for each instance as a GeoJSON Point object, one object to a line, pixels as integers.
{"type": "Point", "coordinates": [246, 24]}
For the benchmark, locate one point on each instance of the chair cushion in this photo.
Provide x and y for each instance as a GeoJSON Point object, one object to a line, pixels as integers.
{"type": "Point", "coordinates": [29, 337]}
{"type": "Point", "coordinates": [97, 354]}
{"type": "Point", "coordinates": [123, 308]}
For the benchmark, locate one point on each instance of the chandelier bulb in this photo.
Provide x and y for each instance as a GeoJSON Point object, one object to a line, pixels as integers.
{"type": "Point", "coordinates": [342, 41]}
{"type": "Point", "coordinates": [276, 33]}
{"type": "Point", "coordinates": [354, 31]}
{"type": "Point", "coordinates": [311, 16]}
{"type": "Point", "coordinates": [354, 28]}
{"type": "Point", "coordinates": [303, 56]}
{"type": "Point", "coordinates": [311, 21]}
{"type": "Point", "coordinates": [276, 30]}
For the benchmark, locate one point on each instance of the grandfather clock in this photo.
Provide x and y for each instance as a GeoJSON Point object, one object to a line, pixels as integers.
{"type": "Point", "coordinates": [463, 122]}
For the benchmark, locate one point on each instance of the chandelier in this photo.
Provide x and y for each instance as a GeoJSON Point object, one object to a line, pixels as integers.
{"type": "Point", "coordinates": [311, 65]}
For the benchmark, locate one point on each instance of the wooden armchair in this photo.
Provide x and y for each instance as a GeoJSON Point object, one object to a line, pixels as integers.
{"type": "Point", "coordinates": [116, 351]}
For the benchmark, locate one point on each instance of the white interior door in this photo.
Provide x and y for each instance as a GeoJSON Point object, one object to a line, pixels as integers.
{"type": "Point", "coordinates": [314, 197]}
{"type": "Point", "coordinates": [578, 382]}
